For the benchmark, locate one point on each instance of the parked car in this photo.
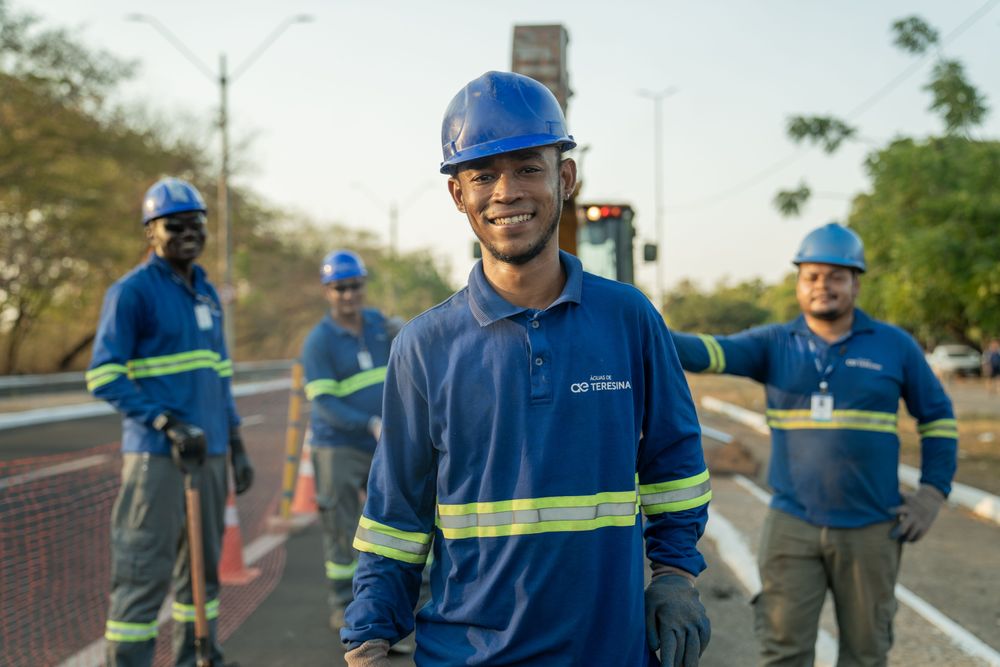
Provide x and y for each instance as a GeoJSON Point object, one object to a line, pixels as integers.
{"type": "Point", "coordinates": [955, 360]}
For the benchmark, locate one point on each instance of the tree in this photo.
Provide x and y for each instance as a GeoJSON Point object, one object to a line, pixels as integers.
{"type": "Point", "coordinates": [930, 218]}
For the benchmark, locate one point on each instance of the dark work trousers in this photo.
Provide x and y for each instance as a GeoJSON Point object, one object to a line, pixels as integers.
{"type": "Point", "coordinates": [149, 558]}
{"type": "Point", "coordinates": [341, 477]}
{"type": "Point", "coordinates": [798, 563]}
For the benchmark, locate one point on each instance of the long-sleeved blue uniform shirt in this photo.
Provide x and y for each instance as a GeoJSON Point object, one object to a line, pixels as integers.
{"type": "Point", "coordinates": [344, 395]}
{"type": "Point", "coordinates": [839, 472]}
{"type": "Point", "coordinates": [519, 445]}
{"type": "Point", "coordinates": [160, 347]}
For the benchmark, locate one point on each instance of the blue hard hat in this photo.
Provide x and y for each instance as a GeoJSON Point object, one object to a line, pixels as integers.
{"type": "Point", "coordinates": [497, 113]}
{"type": "Point", "coordinates": [341, 264]}
{"type": "Point", "coordinates": [169, 196]}
{"type": "Point", "coordinates": [832, 244]}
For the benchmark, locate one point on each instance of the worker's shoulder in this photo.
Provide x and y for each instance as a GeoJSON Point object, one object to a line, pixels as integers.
{"type": "Point", "coordinates": [438, 321]}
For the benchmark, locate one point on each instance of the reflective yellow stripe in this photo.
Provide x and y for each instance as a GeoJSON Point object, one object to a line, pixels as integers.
{"type": "Point", "coordinates": [339, 572]}
{"type": "Point", "coordinates": [526, 516]}
{"type": "Point", "coordinates": [716, 356]}
{"type": "Point", "coordinates": [676, 495]}
{"type": "Point", "coordinates": [225, 368]}
{"type": "Point", "coordinates": [185, 613]}
{"type": "Point", "coordinates": [173, 363]}
{"type": "Point", "coordinates": [102, 375]}
{"type": "Point", "coordinates": [855, 420]}
{"type": "Point", "coordinates": [939, 428]}
{"type": "Point", "coordinates": [378, 538]}
{"type": "Point", "coordinates": [119, 631]}
{"type": "Point", "coordinates": [347, 386]}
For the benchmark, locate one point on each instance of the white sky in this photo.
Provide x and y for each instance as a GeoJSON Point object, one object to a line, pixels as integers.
{"type": "Point", "coordinates": [357, 97]}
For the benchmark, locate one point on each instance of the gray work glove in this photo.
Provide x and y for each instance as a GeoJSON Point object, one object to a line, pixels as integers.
{"type": "Point", "coordinates": [917, 513]}
{"type": "Point", "coordinates": [373, 653]}
{"type": "Point", "coordinates": [676, 622]}
{"type": "Point", "coordinates": [242, 469]}
{"type": "Point", "coordinates": [187, 441]}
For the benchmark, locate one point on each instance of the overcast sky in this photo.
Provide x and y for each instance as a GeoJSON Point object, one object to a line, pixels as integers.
{"type": "Point", "coordinates": [357, 96]}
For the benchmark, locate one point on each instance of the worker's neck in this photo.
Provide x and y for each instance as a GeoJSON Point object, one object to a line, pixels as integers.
{"type": "Point", "coordinates": [351, 321]}
{"type": "Point", "coordinates": [533, 285]}
{"type": "Point", "coordinates": [831, 330]}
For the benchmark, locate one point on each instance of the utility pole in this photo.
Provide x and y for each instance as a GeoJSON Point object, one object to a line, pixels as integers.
{"type": "Point", "coordinates": [658, 97]}
{"type": "Point", "coordinates": [394, 209]}
{"type": "Point", "coordinates": [224, 80]}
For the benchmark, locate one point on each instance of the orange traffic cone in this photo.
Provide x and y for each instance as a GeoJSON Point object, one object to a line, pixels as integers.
{"type": "Point", "coordinates": [304, 500]}
{"type": "Point", "coordinates": [232, 570]}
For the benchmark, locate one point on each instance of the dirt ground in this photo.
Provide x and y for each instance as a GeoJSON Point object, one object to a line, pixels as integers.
{"type": "Point", "coordinates": [978, 414]}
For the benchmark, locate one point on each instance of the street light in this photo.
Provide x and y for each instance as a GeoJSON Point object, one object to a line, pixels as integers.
{"type": "Point", "coordinates": [225, 256]}
{"type": "Point", "coordinates": [394, 209]}
{"type": "Point", "coordinates": [658, 97]}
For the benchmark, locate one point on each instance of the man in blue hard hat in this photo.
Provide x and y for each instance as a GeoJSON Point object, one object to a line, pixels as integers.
{"type": "Point", "coordinates": [834, 378]}
{"type": "Point", "coordinates": [160, 359]}
{"type": "Point", "coordinates": [528, 418]}
{"type": "Point", "coordinates": [344, 356]}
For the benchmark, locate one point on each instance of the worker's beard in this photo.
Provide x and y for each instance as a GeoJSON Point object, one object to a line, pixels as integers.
{"type": "Point", "coordinates": [533, 250]}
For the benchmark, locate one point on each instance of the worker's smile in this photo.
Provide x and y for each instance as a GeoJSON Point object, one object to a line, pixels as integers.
{"type": "Point", "coordinates": [512, 220]}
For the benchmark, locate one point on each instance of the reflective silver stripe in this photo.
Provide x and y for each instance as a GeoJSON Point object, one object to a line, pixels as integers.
{"type": "Point", "coordinates": [537, 515]}
{"type": "Point", "coordinates": [677, 495]}
{"type": "Point", "coordinates": [381, 539]}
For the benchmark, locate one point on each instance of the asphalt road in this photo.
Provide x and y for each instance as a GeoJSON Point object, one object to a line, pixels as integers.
{"type": "Point", "coordinates": [952, 570]}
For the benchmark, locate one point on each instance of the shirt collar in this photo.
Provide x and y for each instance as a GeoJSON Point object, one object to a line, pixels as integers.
{"type": "Point", "coordinates": [197, 273]}
{"type": "Point", "coordinates": [367, 322]}
{"type": "Point", "coordinates": [488, 307]}
{"type": "Point", "coordinates": [862, 323]}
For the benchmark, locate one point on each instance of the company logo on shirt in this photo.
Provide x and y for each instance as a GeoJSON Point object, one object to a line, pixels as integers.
{"type": "Point", "coordinates": [863, 363]}
{"type": "Point", "coordinates": [599, 383]}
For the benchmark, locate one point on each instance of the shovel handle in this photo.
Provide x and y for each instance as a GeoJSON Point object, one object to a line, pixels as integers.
{"type": "Point", "coordinates": [196, 550]}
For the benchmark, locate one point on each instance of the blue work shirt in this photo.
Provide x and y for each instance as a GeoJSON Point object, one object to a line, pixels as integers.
{"type": "Point", "coordinates": [840, 471]}
{"type": "Point", "coordinates": [160, 348]}
{"type": "Point", "coordinates": [521, 444]}
{"type": "Point", "coordinates": [344, 395]}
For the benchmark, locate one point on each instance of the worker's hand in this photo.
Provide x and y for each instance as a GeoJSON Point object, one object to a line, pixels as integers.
{"type": "Point", "coordinates": [187, 441]}
{"type": "Point", "coordinates": [917, 513]}
{"type": "Point", "coordinates": [242, 470]}
{"type": "Point", "coordinates": [375, 427]}
{"type": "Point", "coordinates": [676, 622]}
{"type": "Point", "coordinates": [373, 653]}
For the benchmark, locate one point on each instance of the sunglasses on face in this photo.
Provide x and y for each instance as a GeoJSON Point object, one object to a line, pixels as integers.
{"type": "Point", "coordinates": [178, 225]}
{"type": "Point", "coordinates": [348, 287]}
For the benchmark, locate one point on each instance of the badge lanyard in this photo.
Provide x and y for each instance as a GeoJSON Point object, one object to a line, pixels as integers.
{"type": "Point", "coordinates": [364, 356]}
{"type": "Point", "coordinates": [205, 307]}
{"type": "Point", "coordinates": [821, 403]}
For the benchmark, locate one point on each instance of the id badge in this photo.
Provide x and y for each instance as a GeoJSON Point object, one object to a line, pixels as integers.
{"type": "Point", "coordinates": [822, 407]}
{"type": "Point", "coordinates": [203, 315]}
{"type": "Point", "coordinates": [365, 360]}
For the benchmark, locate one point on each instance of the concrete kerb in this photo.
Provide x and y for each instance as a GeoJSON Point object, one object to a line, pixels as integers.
{"type": "Point", "coordinates": [981, 503]}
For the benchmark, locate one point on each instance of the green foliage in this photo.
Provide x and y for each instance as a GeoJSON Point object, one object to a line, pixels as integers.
{"type": "Point", "coordinates": [73, 170]}
{"type": "Point", "coordinates": [914, 35]}
{"type": "Point", "coordinates": [726, 309]}
{"type": "Point", "coordinates": [958, 102]}
{"type": "Point", "coordinates": [826, 131]}
{"type": "Point", "coordinates": [790, 202]}
{"type": "Point", "coordinates": [930, 227]}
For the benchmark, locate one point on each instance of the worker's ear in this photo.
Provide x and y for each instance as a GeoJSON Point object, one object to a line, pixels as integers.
{"type": "Point", "coordinates": [455, 190]}
{"type": "Point", "coordinates": [567, 177]}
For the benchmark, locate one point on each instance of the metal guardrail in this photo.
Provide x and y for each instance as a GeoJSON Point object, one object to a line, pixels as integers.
{"type": "Point", "coordinates": [55, 383]}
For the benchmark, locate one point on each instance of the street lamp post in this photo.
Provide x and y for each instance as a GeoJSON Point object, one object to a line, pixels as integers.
{"type": "Point", "coordinates": [224, 80]}
{"type": "Point", "coordinates": [658, 97]}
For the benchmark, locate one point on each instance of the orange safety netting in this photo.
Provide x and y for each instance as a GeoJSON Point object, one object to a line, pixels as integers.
{"type": "Point", "coordinates": [55, 555]}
